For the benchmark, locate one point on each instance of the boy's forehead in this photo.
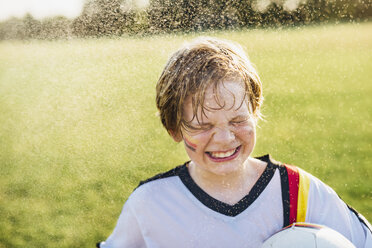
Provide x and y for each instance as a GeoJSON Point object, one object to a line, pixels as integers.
{"type": "Point", "coordinates": [225, 92]}
{"type": "Point", "coordinates": [228, 95]}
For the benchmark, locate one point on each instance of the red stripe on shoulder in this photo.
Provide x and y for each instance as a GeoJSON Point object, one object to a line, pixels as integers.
{"type": "Point", "coordinates": [293, 183]}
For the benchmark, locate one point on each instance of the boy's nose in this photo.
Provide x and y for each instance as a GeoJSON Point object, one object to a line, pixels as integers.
{"type": "Point", "coordinates": [223, 135]}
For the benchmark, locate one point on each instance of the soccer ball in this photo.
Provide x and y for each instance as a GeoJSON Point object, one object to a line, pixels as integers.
{"type": "Point", "coordinates": [307, 235]}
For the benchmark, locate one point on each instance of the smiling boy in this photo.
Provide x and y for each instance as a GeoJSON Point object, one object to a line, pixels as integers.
{"type": "Point", "coordinates": [222, 137]}
{"type": "Point", "coordinates": [209, 97]}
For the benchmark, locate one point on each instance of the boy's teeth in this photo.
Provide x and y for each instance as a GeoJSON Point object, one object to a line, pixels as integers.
{"type": "Point", "coordinates": [223, 154]}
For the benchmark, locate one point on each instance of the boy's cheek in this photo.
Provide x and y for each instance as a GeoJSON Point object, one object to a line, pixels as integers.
{"type": "Point", "coordinates": [246, 130]}
{"type": "Point", "coordinates": [190, 138]}
{"type": "Point", "coordinates": [190, 145]}
{"type": "Point", "coordinates": [190, 142]}
{"type": "Point", "coordinates": [197, 141]}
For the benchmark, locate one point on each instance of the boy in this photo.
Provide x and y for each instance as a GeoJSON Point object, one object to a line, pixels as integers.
{"type": "Point", "coordinates": [209, 97]}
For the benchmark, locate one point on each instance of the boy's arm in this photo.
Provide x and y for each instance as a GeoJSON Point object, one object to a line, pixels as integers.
{"type": "Point", "coordinates": [127, 232]}
{"type": "Point", "coordinates": [325, 207]}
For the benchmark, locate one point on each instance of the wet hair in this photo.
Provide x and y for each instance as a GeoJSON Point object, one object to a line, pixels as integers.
{"type": "Point", "coordinates": [203, 63]}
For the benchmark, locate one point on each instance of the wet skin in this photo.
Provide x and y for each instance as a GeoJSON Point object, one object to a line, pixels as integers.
{"type": "Point", "coordinates": [219, 146]}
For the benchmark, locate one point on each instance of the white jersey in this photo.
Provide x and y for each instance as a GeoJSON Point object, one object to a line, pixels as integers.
{"type": "Point", "coordinates": [171, 210]}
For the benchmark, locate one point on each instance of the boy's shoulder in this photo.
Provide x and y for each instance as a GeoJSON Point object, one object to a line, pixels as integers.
{"type": "Point", "coordinates": [168, 174]}
{"type": "Point", "coordinates": [157, 189]}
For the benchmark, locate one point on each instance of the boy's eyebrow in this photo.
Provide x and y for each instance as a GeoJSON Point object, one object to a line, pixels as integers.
{"type": "Point", "coordinates": [244, 116]}
{"type": "Point", "coordinates": [201, 123]}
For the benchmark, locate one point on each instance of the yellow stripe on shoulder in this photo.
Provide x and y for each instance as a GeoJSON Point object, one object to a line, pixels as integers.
{"type": "Point", "coordinates": [303, 195]}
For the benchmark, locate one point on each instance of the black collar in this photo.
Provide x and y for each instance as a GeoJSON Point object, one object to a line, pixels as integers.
{"type": "Point", "coordinates": [224, 208]}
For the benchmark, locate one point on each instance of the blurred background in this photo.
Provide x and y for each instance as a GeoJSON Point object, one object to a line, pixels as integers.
{"type": "Point", "coordinates": [95, 18]}
{"type": "Point", "coordinates": [78, 122]}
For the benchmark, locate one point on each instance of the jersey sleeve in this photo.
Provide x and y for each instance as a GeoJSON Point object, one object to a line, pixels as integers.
{"type": "Point", "coordinates": [127, 232]}
{"type": "Point", "coordinates": [326, 208]}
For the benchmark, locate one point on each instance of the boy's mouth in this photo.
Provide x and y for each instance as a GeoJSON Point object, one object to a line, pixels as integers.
{"type": "Point", "coordinates": [223, 156]}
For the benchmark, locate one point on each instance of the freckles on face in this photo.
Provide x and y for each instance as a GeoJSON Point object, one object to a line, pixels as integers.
{"type": "Point", "coordinates": [226, 111]}
{"type": "Point", "coordinates": [246, 133]}
{"type": "Point", "coordinates": [247, 130]}
{"type": "Point", "coordinates": [220, 139]}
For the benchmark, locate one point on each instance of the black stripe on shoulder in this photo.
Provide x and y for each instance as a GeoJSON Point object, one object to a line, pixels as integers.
{"type": "Point", "coordinates": [285, 194]}
{"type": "Point", "coordinates": [173, 172]}
{"type": "Point", "coordinates": [361, 218]}
{"type": "Point", "coordinates": [284, 185]}
{"type": "Point", "coordinates": [268, 159]}
{"type": "Point", "coordinates": [285, 190]}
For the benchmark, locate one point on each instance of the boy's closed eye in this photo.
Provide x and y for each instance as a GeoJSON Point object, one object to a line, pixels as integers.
{"type": "Point", "coordinates": [239, 120]}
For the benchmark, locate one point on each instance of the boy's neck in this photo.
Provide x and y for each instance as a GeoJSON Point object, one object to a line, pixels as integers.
{"type": "Point", "coordinates": [232, 187]}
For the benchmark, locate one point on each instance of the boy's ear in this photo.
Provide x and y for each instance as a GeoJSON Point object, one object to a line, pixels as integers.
{"type": "Point", "coordinates": [176, 136]}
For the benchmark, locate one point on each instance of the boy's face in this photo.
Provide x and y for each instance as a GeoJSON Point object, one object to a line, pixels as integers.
{"type": "Point", "coordinates": [225, 137]}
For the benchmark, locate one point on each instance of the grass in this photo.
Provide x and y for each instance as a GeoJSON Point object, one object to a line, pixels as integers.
{"type": "Point", "coordinates": [79, 128]}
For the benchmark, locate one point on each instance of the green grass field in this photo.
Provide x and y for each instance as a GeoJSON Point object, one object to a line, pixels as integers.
{"type": "Point", "coordinates": [78, 124]}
